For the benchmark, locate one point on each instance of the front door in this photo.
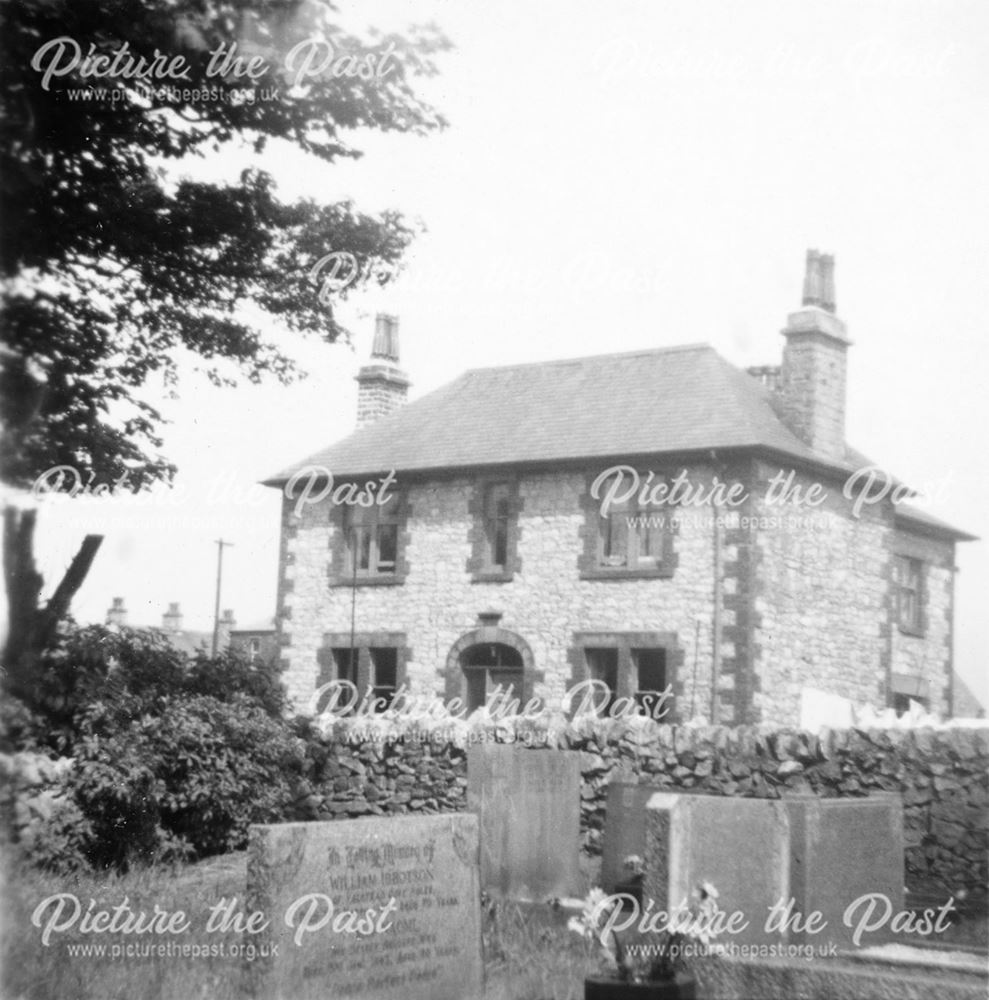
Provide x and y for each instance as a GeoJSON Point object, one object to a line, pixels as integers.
{"type": "Point", "coordinates": [488, 665]}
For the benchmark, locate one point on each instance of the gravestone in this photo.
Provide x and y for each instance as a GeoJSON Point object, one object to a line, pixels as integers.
{"type": "Point", "coordinates": [528, 802]}
{"type": "Point", "coordinates": [624, 830]}
{"type": "Point", "coordinates": [369, 909]}
{"type": "Point", "coordinates": [842, 850]}
{"type": "Point", "coordinates": [741, 846]}
{"type": "Point", "coordinates": [824, 855]}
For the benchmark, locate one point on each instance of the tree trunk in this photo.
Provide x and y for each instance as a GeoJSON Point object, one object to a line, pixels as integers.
{"type": "Point", "coordinates": [30, 628]}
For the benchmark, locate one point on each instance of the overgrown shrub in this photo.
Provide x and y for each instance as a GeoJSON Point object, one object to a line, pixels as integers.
{"type": "Point", "coordinates": [40, 813]}
{"type": "Point", "coordinates": [174, 757]}
{"type": "Point", "coordinates": [198, 771]}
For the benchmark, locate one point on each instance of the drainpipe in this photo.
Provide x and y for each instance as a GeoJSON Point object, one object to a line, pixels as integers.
{"type": "Point", "coordinates": [716, 618]}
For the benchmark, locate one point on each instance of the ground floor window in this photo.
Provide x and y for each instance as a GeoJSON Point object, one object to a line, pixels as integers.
{"type": "Point", "coordinates": [631, 665]}
{"type": "Point", "coordinates": [374, 662]}
{"type": "Point", "coordinates": [649, 677]}
{"type": "Point", "coordinates": [902, 702]}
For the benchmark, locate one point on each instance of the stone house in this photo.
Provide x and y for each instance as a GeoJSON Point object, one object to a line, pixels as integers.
{"type": "Point", "coordinates": [258, 642]}
{"type": "Point", "coordinates": [695, 537]}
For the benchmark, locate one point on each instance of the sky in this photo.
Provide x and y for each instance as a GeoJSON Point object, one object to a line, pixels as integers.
{"type": "Point", "coordinates": [619, 176]}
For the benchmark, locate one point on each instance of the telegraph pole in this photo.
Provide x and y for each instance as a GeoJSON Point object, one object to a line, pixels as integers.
{"type": "Point", "coordinates": [219, 577]}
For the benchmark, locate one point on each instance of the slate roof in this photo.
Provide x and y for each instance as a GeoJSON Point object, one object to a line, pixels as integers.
{"type": "Point", "coordinates": [677, 399]}
{"type": "Point", "coordinates": [663, 401]}
{"type": "Point", "coordinates": [187, 641]}
{"type": "Point", "coordinates": [915, 519]}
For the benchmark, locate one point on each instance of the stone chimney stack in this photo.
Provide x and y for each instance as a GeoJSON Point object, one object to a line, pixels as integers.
{"type": "Point", "coordinates": [116, 614]}
{"type": "Point", "coordinates": [171, 620]}
{"type": "Point", "coordinates": [382, 386]}
{"type": "Point", "coordinates": [812, 377]}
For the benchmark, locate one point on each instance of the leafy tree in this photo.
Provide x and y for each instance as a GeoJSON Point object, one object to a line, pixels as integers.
{"type": "Point", "coordinates": [114, 263]}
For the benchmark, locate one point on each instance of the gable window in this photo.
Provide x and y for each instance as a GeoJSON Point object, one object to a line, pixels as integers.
{"type": "Point", "coordinates": [909, 582]}
{"type": "Point", "coordinates": [495, 506]}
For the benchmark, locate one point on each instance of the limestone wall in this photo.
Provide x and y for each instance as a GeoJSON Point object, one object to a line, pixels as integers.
{"type": "Point", "coordinates": [806, 595]}
{"type": "Point", "coordinates": [545, 603]}
{"type": "Point", "coordinates": [942, 775]}
{"type": "Point", "coordinates": [822, 603]}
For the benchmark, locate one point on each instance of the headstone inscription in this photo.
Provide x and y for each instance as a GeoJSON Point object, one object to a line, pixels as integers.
{"type": "Point", "coordinates": [366, 909]}
{"type": "Point", "coordinates": [529, 807]}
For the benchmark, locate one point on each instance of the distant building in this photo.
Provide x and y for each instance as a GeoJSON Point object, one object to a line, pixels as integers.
{"type": "Point", "coordinates": [495, 561]}
{"type": "Point", "coordinates": [189, 641]}
{"type": "Point", "coordinates": [258, 643]}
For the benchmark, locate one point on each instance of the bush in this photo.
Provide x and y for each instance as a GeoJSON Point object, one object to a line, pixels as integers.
{"type": "Point", "coordinates": [189, 779]}
{"type": "Point", "coordinates": [39, 812]}
{"type": "Point", "coordinates": [174, 757]}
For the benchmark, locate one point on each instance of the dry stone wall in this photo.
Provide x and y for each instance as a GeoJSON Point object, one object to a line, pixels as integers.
{"type": "Point", "coordinates": [942, 775]}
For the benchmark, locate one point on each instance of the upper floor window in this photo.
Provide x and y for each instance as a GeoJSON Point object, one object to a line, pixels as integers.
{"type": "Point", "coordinates": [496, 519]}
{"type": "Point", "coordinates": [368, 546]}
{"type": "Point", "coordinates": [628, 540]}
{"type": "Point", "coordinates": [495, 506]}
{"type": "Point", "coordinates": [373, 539]}
{"type": "Point", "coordinates": [632, 537]}
{"type": "Point", "coordinates": [909, 582]}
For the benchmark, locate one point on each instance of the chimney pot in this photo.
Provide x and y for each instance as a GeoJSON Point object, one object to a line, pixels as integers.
{"type": "Point", "coordinates": [116, 614]}
{"type": "Point", "coordinates": [385, 343]}
{"type": "Point", "coordinates": [171, 621]}
{"type": "Point", "coordinates": [382, 386]}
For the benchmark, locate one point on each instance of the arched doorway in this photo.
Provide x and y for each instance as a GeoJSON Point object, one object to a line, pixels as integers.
{"type": "Point", "coordinates": [484, 658]}
{"type": "Point", "coordinates": [488, 665]}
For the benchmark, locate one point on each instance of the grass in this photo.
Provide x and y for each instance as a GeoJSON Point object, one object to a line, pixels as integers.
{"type": "Point", "coordinates": [529, 953]}
{"type": "Point", "coordinates": [32, 971]}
